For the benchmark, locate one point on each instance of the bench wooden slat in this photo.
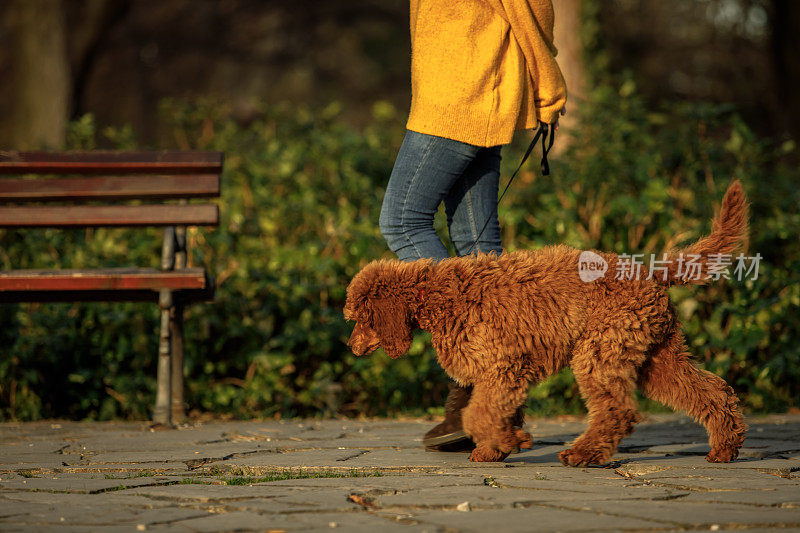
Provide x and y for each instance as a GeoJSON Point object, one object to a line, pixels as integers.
{"type": "Point", "coordinates": [107, 188]}
{"type": "Point", "coordinates": [117, 279]}
{"type": "Point", "coordinates": [179, 297]}
{"type": "Point", "coordinates": [100, 162]}
{"type": "Point", "coordinates": [108, 216]}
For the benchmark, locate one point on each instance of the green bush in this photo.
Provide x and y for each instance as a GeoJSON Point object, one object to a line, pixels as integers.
{"type": "Point", "coordinates": [300, 204]}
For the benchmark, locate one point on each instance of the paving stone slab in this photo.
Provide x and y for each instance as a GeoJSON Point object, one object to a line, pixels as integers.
{"type": "Point", "coordinates": [66, 528]}
{"type": "Point", "coordinates": [82, 483]}
{"type": "Point", "coordinates": [100, 510]}
{"type": "Point", "coordinates": [693, 514]}
{"type": "Point", "coordinates": [534, 518]}
{"type": "Point", "coordinates": [481, 498]}
{"type": "Point", "coordinates": [211, 494]}
{"type": "Point", "coordinates": [784, 497]}
{"type": "Point", "coordinates": [366, 521]}
{"type": "Point", "coordinates": [237, 521]}
{"type": "Point", "coordinates": [67, 476]}
{"type": "Point", "coordinates": [711, 479]}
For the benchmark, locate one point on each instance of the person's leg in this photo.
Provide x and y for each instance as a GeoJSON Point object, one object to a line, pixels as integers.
{"type": "Point", "coordinates": [426, 169]}
{"type": "Point", "coordinates": [473, 200]}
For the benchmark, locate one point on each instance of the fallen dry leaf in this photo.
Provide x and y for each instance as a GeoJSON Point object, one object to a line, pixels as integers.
{"type": "Point", "coordinates": [363, 501]}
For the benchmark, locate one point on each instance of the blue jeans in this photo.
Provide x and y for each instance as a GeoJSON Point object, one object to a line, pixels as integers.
{"type": "Point", "coordinates": [430, 170]}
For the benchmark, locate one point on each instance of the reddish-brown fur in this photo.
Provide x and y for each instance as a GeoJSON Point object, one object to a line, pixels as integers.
{"type": "Point", "coordinates": [503, 323]}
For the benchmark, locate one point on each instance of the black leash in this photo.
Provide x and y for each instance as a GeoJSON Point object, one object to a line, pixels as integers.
{"type": "Point", "coordinates": [547, 144]}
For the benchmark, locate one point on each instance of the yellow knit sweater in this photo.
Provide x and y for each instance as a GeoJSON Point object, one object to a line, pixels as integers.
{"type": "Point", "coordinates": [482, 69]}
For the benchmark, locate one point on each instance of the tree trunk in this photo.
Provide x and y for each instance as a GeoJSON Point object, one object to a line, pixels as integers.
{"type": "Point", "coordinates": [567, 39]}
{"type": "Point", "coordinates": [40, 75]}
{"type": "Point", "coordinates": [785, 25]}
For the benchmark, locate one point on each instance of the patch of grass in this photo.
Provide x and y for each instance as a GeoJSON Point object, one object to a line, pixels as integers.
{"type": "Point", "coordinates": [243, 476]}
{"type": "Point", "coordinates": [193, 480]}
{"type": "Point", "coordinates": [133, 475]}
{"type": "Point", "coordinates": [289, 474]}
{"type": "Point", "coordinates": [26, 474]}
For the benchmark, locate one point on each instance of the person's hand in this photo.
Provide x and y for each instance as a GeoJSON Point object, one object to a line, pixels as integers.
{"type": "Point", "coordinates": [562, 112]}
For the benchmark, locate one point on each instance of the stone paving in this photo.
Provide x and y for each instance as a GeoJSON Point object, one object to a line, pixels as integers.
{"type": "Point", "coordinates": [373, 475]}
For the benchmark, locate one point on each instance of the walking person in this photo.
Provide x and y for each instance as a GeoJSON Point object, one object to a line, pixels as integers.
{"type": "Point", "coordinates": [480, 70]}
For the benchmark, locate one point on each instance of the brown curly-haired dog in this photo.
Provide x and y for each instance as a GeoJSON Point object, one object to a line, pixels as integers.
{"type": "Point", "coordinates": [500, 323]}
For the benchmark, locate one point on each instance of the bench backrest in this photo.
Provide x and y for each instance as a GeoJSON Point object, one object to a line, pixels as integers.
{"type": "Point", "coordinates": [108, 176]}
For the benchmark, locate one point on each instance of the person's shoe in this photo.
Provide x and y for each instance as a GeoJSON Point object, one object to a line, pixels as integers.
{"type": "Point", "coordinates": [449, 436]}
{"type": "Point", "coordinates": [518, 422]}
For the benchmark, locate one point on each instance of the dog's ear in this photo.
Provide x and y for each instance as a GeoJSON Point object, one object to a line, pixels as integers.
{"type": "Point", "coordinates": [392, 321]}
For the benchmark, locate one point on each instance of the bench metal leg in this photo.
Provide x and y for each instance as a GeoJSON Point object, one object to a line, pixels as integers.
{"type": "Point", "coordinates": [176, 335]}
{"type": "Point", "coordinates": [169, 396]}
{"type": "Point", "coordinates": [163, 412]}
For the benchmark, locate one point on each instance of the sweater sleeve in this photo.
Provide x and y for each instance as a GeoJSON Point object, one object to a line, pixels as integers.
{"type": "Point", "coordinates": [531, 23]}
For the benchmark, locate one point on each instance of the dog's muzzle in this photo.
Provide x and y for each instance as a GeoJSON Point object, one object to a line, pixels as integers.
{"type": "Point", "coordinates": [361, 343]}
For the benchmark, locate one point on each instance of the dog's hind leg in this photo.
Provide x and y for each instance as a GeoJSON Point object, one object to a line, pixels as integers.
{"type": "Point", "coordinates": [606, 375]}
{"type": "Point", "coordinates": [490, 415]}
{"type": "Point", "coordinates": [670, 377]}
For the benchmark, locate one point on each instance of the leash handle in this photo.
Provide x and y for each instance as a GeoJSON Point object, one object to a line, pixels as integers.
{"type": "Point", "coordinates": [547, 144]}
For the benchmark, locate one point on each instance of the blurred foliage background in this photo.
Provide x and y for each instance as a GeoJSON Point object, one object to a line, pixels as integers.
{"type": "Point", "coordinates": [653, 137]}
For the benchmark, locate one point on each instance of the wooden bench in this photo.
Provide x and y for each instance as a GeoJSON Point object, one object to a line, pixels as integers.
{"type": "Point", "coordinates": [93, 195]}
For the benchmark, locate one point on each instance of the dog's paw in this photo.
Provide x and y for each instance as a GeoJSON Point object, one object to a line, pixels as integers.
{"type": "Point", "coordinates": [513, 439]}
{"type": "Point", "coordinates": [722, 455]}
{"type": "Point", "coordinates": [574, 457]}
{"type": "Point", "coordinates": [484, 454]}
{"type": "Point", "coordinates": [524, 439]}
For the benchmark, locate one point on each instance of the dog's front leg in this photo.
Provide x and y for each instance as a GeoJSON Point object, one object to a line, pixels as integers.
{"type": "Point", "coordinates": [488, 419]}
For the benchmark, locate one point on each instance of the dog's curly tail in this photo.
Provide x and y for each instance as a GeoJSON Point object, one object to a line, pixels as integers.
{"type": "Point", "coordinates": [729, 231]}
